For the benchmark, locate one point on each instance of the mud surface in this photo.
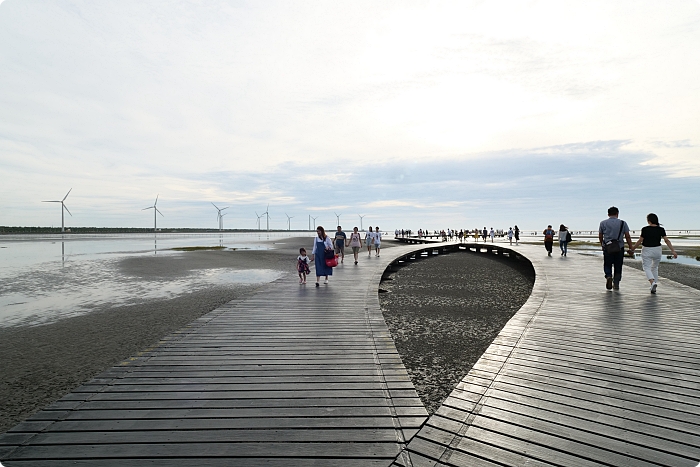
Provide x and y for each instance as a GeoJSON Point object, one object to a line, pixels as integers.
{"type": "Point", "coordinates": [443, 312]}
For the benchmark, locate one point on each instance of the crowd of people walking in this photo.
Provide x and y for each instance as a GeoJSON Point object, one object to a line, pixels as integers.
{"type": "Point", "coordinates": [325, 251]}
{"type": "Point", "coordinates": [613, 232]}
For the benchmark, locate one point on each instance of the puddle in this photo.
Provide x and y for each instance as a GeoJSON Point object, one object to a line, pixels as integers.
{"type": "Point", "coordinates": [48, 277]}
{"type": "Point", "coordinates": [41, 296]}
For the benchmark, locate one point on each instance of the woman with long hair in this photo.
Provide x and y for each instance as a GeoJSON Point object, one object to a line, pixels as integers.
{"type": "Point", "coordinates": [369, 241]}
{"type": "Point", "coordinates": [322, 243]}
{"type": "Point", "coordinates": [355, 243]}
{"type": "Point", "coordinates": [563, 243]}
{"type": "Point", "coordinates": [650, 238]}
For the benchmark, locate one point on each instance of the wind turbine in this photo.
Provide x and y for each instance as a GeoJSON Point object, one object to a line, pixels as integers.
{"type": "Point", "coordinates": [314, 218]}
{"type": "Point", "coordinates": [337, 217]}
{"type": "Point", "coordinates": [63, 206]}
{"type": "Point", "coordinates": [258, 217]}
{"type": "Point", "coordinates": [219, 216]}
{"type": "Point", "coordinates": [155, 210]}
{"type": "Point", "coordinates": [267, 214]}
{"type": "Point", "coordinates": [361, 217]}
{"type": "Point", "coordinates": [289, 221]}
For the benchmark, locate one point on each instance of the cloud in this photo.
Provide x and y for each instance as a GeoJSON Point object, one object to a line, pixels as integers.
{"type": "Point", "coordinates": [395, 109]}
{"type": "Point", "coordinates": [673, 144]}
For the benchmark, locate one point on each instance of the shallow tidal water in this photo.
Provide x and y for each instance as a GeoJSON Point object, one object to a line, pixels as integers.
{"type": "Point", "coordinates": [48, 277]}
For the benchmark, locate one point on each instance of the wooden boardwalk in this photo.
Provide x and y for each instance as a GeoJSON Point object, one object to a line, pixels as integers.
{"type": "Point", "coordinates": [579, 377]}
{"type": "Point", "coordinates": [299, 376]}
{"type": "Point", "coordinates": [293, 376]}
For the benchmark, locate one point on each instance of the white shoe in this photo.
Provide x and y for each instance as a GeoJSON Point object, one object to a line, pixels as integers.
{"type": "Point", "coordinates": [652, 289]}
{"type": "Point", "coordinates": [326, 281]}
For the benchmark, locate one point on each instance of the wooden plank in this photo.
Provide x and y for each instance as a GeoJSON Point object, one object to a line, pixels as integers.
{"type": "Point", "coordinates": [378, 435]}
{"type": "Point", "coordinates": [594, 378]}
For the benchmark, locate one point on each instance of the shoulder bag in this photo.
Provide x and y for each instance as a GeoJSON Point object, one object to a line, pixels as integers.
{"type": "Point", "coordinates": [613, 246]}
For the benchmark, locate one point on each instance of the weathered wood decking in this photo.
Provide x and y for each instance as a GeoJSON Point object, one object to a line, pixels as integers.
{"type": "Point", "coordinates": [298, 376]}
{"type": "Point", "coordinates": [293, 376]}
{"type": "Point", "coordinates": [579, 377]}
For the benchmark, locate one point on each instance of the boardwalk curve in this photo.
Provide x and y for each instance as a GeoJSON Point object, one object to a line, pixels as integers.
{"type": "Point", "coordinates": [297, 376]}
{"type": "Point", "coordinates": [292, 376]}
{"type": "Point", "coordinates": [578, 377]}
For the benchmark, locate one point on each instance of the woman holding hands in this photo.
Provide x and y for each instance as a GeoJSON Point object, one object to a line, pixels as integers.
{"type": "Point", "coordinates": [322, 243]}
{"type": "Point", "coordinates": [650, 239]}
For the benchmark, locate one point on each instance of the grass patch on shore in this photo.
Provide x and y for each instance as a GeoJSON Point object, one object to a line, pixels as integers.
{"type": "Point", "coordinates": [199, 248]}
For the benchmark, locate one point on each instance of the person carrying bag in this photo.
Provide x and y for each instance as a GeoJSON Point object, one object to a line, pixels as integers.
{"type": "Point", "coordinates": [319, 255]}
{"type": "Point", "coordinates": [610, 235]}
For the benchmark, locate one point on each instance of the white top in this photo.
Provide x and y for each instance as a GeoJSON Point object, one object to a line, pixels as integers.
{"type": "Point", "coordinates": [304, 259]}
{"type": "Point", "coordinates": [377, 237]}
{"type": "Point", "coordinates": [328, 244]}
{"type": "Point", "coordinates": [562, 235]}
{"type": "Point", "coordinates": [492, 233]}
{"type": "Point", "coordinates": [370, 236]}
{"type": "Point", "coordinates": [355, 240]}
{"type": "Point", "coordinates": [510, 233]}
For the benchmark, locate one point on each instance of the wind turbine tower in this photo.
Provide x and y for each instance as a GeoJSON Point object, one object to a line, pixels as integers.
{"type": "Point", "coordinates": [258, 218]}
{"type": "Point", "coordinates": [63, 206]}
{"type": "Point", "coordinates": [314, 218]}
{"type": "Point", "coordinates": [361, 217]}
{"type": "Point", "coordinates": [267, 214]}
{"type": "Point", "coordinates": [289, 221]}
{"type": "Point", "coordinates": [337, 217]}
{"type": "Point", "coordinates": [155, 211]}
{"type": "Point", "coordinates": [219, 216]}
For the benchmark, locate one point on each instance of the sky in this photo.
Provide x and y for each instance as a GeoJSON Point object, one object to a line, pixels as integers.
{"type": "Point", "coordinates": [414, 114]}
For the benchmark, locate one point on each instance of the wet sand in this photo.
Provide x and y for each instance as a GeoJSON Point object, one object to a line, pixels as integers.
{"type": "Point", "coordinates": [443, 313]}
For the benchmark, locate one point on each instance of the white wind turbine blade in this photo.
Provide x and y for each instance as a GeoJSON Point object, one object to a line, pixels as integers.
{"type": "Point", "coordinates": [156, 203]}
{"type": "Point", "coordinates": [217, 207]}
{"type": "Point", "coordinates": [52, 201]}
{"type": "Point", "coordinates": [66, 208]}
{"type": "Point", "coordinates": [64, 198]}
{"type": "Point", "coordinates": [158, 211]}
{"type": "Point", "coordinates": [225, 208]}
{"type": "Point", "coordinates": [149, 207]}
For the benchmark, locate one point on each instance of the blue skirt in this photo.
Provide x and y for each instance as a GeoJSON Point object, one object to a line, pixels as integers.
{"type": "Point", "coordinates": [320, 261]}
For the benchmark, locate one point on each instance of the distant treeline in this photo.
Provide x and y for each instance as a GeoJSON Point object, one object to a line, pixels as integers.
{"type": "Point", "coordinates": [112, 230]}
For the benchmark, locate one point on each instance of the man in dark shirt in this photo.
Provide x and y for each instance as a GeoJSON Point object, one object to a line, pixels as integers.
{"type": "Point", "coordinates": [339, 242]}
{"type": "Point", "coordinates": [611, 230]}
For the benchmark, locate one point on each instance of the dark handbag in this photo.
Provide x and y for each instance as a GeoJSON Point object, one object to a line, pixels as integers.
{"type": "Point", "coordinates": [613, 246]}
{"type": "Point", "coordinates": [568, 237]}
{"type": "Point", "coordinates": [328, 254]}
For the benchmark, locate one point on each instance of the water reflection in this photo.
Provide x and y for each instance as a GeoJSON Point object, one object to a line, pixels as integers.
{"type": "Point", "coordinates": [37, 297]}
{"type": "Point", "coordinates": [34, 289]}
